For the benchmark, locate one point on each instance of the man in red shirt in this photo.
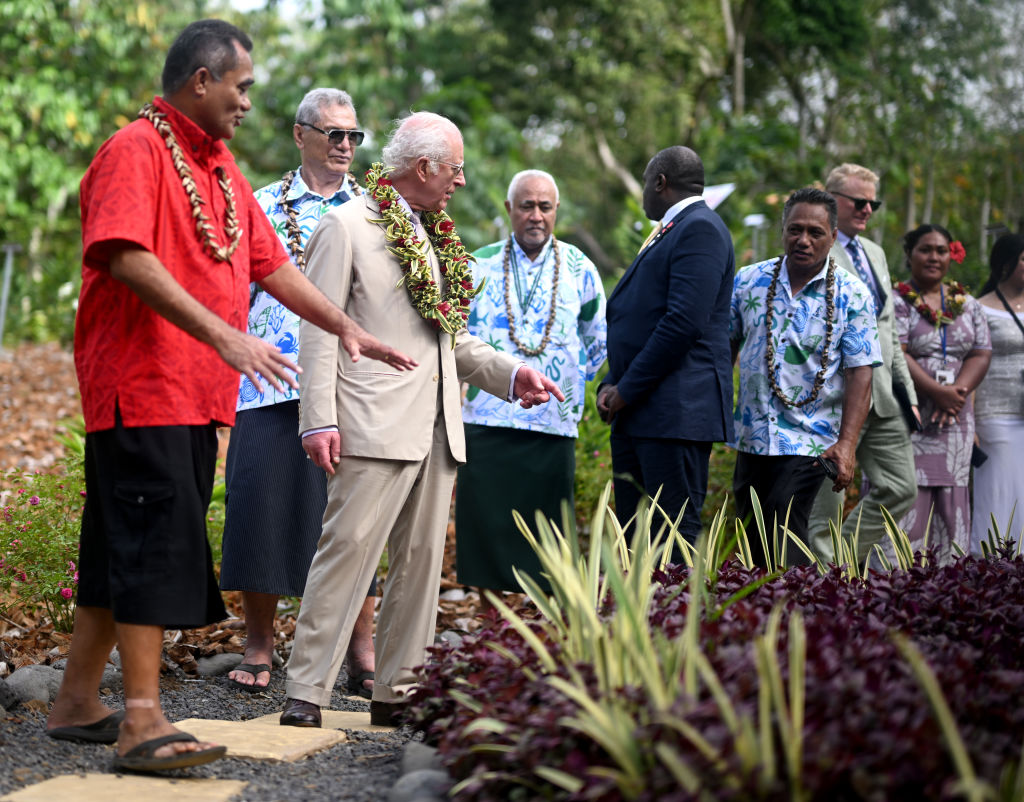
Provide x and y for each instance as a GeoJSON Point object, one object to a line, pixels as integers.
{"type": "Point", "coordinates": [172, 238]}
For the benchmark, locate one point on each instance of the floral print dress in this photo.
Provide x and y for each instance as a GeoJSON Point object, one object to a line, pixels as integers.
{"type": "Point", "coordinates": [942, 457]}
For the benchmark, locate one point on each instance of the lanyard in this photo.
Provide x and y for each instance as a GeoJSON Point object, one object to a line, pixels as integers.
{"type": "Point", "coordinates": [942, 303]}
{"type": "Point", "coordinates": [525, 305]}
{"type": "Point", "coordinates": [942, 313]}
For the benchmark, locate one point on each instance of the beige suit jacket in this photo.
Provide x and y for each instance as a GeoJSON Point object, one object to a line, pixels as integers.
{"type": "Point", "coordinates": [894, 365]}
{"type": "Point", "coordinates": [384, 413]}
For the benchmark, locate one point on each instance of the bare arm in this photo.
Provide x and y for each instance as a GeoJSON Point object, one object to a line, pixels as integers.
{"type": "Point", "coordinates": [299, 294]}
{"type": "Point", "coordinates": [146, 276]}
{"type": "Point", "coordinates": [856, 402]}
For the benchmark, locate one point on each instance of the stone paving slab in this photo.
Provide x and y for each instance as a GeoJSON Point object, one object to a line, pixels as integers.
{"type": "Point", "coordinates": [332, 719]}
{"type": "Point", "coordinates": [261, 741]}
{"type": "Point", "coordinates": [104, 787]}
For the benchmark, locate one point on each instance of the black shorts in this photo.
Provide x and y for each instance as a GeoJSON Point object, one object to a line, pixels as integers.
{"type": "Point", "coordinates": [143, 552]}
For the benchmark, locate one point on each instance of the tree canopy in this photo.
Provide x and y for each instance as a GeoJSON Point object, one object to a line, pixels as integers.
{"type": "Point", "coordinates": [771, 93]}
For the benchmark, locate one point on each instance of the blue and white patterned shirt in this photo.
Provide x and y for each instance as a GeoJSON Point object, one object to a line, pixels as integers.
{"type": "Point", "coordinates": [579, 334]}
{"type": "Point", "coordinates": [268, 319]}
{"type": "Point", "coordinates": [764, 425]}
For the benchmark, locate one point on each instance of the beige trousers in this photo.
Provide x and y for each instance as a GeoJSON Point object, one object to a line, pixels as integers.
{"type": "Point", "coordinates": [370, 503]}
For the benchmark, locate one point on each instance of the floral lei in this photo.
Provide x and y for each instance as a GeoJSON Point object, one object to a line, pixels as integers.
{"type": "Point", "coordinates": [449, 311]}
{"type": "Point", "coordinates": [955, 296]}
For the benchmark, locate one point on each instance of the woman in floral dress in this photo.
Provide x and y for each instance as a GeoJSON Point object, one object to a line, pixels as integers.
{"type": "Point", "coordinates": [946, 342]}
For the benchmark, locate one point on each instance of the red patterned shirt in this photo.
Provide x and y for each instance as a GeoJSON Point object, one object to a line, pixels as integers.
{"type": "Point", "coordinates": [125, 353]}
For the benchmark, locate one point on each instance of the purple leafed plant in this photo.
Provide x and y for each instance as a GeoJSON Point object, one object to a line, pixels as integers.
{"type": "Point", "coordinates": [868, 729]}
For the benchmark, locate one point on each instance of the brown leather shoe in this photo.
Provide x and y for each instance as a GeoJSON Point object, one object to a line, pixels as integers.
{"type": "Point", "coordinates": [299, 713]}
{"type": "Point", "coordinates": [387, 714]}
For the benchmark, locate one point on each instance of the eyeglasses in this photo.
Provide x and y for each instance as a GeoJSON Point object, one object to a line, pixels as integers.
{"type": "Point", "coordinates": [337, 135]}
{"type": "Point", "coordinates": [456, 167]}
{"type": "Point", "coordinates": [860, 203]}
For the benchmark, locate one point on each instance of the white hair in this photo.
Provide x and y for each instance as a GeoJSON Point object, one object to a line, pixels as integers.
{"type": "Point", "coordinates": [524, 174]}
{"type": "Point", "coordinates": [311, 107]}
{"type": "Point", "coordinates": [422, 133]}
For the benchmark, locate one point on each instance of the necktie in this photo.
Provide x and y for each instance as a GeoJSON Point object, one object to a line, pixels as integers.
{"type": "Point", "coordinates": [650, 238]}
{"type": "Point", "coordinates": [853, 248]}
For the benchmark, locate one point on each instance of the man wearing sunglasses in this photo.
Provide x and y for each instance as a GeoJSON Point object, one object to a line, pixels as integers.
{"type": "Point", "coordinates": [275, 496]}
{"type": "Point", "coordinates": [884, 452]}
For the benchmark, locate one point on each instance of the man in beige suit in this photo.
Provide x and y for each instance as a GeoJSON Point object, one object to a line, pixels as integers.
{"type": "Point", "coordinates": [390, 441]}
{"type": "Point", "coordinates": [884, 451]}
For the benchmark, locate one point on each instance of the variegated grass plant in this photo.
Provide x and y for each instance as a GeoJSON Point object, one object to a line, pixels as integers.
{"type": "Point", "coordinates": [624, 650]}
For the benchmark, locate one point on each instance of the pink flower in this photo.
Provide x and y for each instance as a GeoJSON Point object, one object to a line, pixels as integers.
{"type": "Point", "coordinates": [597, 453]}
{"type": "Point", "coordinates": [71, 565]}
{"type": "Point", "coordinates": [81, 493]}
{"type": "Point", "coordinates": [22, 576]}
{"type": "Point", "coordinates": [34, 501]}
{"type": "Point", "coordinates": [75, 578]}
{"type": "Point", "coordinates": [66, 593]}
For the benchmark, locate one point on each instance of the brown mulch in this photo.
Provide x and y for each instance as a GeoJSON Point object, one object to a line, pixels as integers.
{"type": "Point", "coordinates": [38, 399]}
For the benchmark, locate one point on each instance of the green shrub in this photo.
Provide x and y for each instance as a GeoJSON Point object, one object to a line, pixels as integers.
{"type": "Point", "coordinates": [39, 526]}
{"type": "Point", "coordinates": [593, 459]}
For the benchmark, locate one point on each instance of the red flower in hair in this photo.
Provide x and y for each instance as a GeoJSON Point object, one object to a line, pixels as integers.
{"type": "Point", "coordinates": [957, 252]}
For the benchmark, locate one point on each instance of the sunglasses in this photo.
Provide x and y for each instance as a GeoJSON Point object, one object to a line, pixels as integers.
{"type": "Point", "coordinates": [337, 135]}
{"type": "Point", "coordinates": [860, 203]}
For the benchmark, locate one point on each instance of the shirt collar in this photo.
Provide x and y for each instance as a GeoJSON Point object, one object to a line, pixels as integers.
{"type": "Point", "coordinates": [522, 258]}
{"type": "Point", "coordinates": [844, 241]}
{"type": "Point", "coordinates": [784, 275]}
{"type": "Point", "coordinates": [190, 136]}
{"type": "Point", "coordinates": [676, 208]}
{"type": "Point", "coordinates": [298, 188]}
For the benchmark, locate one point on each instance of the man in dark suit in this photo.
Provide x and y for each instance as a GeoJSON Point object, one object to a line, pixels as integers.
{"type": "Point", "coordinates": [668, 392]}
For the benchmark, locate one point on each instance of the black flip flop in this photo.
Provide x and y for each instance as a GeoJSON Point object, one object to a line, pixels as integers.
{"type": "Point", "coordinates": [251, 668]}
{"type": "Point", "coordinates": [140, 758]}
{"type": "Point", "coordinates": [103, 731]}
{"type": "Point", "coordinates": [355, 687]}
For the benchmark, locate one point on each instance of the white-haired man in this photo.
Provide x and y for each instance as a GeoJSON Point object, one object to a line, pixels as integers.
{"type": "Point", "coordinates": [542, 302]}
{"type": "Point", "coordinates": [390, 442]}
{"type": "Point", "coordinates": [275, 496]}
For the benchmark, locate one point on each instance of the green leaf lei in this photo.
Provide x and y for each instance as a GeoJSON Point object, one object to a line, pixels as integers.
{"type": "Point", "coordinates": [449, 311]}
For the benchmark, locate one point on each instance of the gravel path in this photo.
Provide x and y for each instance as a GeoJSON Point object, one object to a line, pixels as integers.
{"type": "Point", "coordinates": [363, 769]}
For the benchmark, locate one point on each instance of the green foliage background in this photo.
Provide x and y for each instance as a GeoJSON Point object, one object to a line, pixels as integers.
{"type": "Point", "coordinates": [772, 93]}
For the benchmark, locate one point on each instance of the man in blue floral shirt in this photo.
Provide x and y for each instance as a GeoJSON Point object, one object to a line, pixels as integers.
{"type": "Point", "coordinates": [275, 496]}
{"type": "Point", "coordinates": [543, 302]}
{"type": "Point", "coordinates": [805, 335]}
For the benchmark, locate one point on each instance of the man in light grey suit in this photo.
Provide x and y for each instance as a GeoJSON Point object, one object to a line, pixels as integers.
{"type": "Point", "coordinates": [884, 451]}
{"type": "Point", "coordinates": [389, 441]}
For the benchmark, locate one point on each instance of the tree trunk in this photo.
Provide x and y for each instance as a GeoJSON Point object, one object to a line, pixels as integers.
{"type": "Point", "coordinates": [911, 205]}
{"type": "Point", "coordinates": [929, 192]}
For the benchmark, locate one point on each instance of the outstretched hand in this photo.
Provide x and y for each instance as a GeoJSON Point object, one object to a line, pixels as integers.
{"type": "Point", "coordinates": [533, 388]}
{"type": "Point", "coordinates": [359, 342]}
{"type": "Point", "coordinates": [256, 358]}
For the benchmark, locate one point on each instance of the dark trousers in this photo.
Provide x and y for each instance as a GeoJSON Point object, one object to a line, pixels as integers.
{"type": "Point", "coordinates": [778, 482]}
{"type": "Point", "coordinates": [143, 552]}
{"type": "Point", "coordinates": [679, 468]}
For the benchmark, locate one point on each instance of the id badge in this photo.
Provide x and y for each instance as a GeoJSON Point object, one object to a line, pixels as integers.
{"type": "Point", "coordinates": [945, 376]}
